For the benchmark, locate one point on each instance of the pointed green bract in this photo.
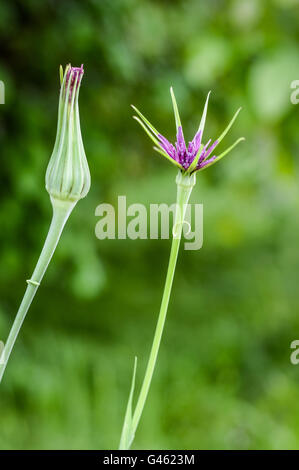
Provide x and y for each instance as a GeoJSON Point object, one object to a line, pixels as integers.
{"type": "Point", "coordinates": [164, 154]}
{"type": "Point", "coordinates": [149, 125]}
{"type": "Point", "coordinates": [156, 142]}
{"type": "Point", "coordinates": [223, 153]}
{"type": "Point", "coordinates": [153, 134]}
{"type": "Point", "coordinates": [228, 127]}
{"type": "Point", "coordinates": [221, 137]}
{"type": "Point", "coordinates": [204, 115]}
{"type": "Point", "coordinates": [175, 110]}
{"type": "Point", "coordinates": [127, 435]}
{"type": "Point", "coordinates": [61, 74]}
{"type": "Point", "coordinates": [229, 148]}
{"type": "Point", "coordinates": [195, 160]}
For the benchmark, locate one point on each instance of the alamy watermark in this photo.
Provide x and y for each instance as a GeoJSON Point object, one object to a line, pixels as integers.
{"type": "Point", "coordinates": [294, 357]}
{"type": "Point", "coordinates": [137, 222]}
{"type": "Point", "coordinates": [2, 92]}
{"type": "Point", "coordinates": [294, 97]}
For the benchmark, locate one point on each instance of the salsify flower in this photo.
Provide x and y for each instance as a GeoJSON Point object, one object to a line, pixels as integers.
{"type": "Point", "coordinates": [196, 155]}
{"type": "Point", "coordinates": [67, 181]}
{"type": "Point", "coordinates": [190, 159]}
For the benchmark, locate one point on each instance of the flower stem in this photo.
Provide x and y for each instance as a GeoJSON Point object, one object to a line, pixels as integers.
{"type": "Point", "coordinates": [185, 184]}
{"type": "Point", "coordinates": [158, 332]}
{"type": "Point", "coordinates": [61, 212]}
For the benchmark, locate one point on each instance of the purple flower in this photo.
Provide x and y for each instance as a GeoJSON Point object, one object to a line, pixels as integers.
{"type": "Point", "coordinates": [185, 155]}
{"type": "Point", "coordinates": [192, 157]}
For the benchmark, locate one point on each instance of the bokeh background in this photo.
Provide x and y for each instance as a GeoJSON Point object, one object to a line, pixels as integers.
{"type": "Point", "coordinates": [224, 378]}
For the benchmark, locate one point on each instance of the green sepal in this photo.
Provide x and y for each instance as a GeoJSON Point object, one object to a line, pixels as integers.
{"type": "Point", "coordinates": [204, 115]}
{"type": "Point", "coordinates": [228, 127]}
{"type": "Point", "coordinates": [195, 160]}
{"type": "Point", "coordinates": [175, 109]}
{"type": "Point", "coordinates": [223, 153]}
{"type": "Point", "coordinates": [149, 125]}
{"type": "Point", "coordinates": [164, 154]}
{"type": "Point", "coordinates": [61, 74]}
{"type": "Point", "coordinates": [156, 142]}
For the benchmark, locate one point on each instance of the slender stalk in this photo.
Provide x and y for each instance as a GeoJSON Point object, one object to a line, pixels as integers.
{"type": "Point", "coordinates": [61, 212]}
{"type": "Point", "coordinates": [159, 330]}
{"type": "Point", "coordinates": [185, 184]}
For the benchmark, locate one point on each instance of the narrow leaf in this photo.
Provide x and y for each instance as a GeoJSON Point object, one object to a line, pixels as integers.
{"type": "Point", "coordinates": [127, 434]}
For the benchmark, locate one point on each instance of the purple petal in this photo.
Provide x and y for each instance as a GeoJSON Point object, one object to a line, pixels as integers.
{"type": "Point", "coordinates": [202, 155]}
{"type": "Point", "coordinates": [191, 148]}
{"type": "Point", "coordinates": [197, 139]}
{"type": "Point", "coordinates": [167, 146]}
{"type": "Point", "coordinates": [163, 140]}
{"type": "Point", "coordinates": [180, 139]}
{"type": "Point", "coordinates": [206, 162]}
{"type": "Point", "coordinates": [207, 153]}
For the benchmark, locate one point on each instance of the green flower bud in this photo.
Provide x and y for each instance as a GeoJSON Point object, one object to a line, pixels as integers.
{"type": "Point", "coordinates": [68, 177]}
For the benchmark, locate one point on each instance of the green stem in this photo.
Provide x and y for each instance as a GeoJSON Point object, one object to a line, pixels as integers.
{"type": "Point", "coordinates": [61, 212]}
{"type": "Point", "coordinates": [185, 184]}
{"type": "Point", "coordinates": [158, 332]}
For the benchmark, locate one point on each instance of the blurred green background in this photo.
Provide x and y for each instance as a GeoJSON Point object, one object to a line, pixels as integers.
{"type": "Point", "coordinates": [224, 378]}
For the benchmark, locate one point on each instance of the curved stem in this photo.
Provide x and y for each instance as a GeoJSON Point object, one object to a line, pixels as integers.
{"type": "Point", "coordinates": [185, 184]}
{"type": "Point", "coordinates": [61, 212]}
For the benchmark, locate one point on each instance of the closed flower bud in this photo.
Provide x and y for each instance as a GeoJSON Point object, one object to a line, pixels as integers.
{"type": "Point", "coordinates": [68, 177]}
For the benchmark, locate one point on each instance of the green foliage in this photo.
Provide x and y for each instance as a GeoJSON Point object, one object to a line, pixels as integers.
{"type": "Point", "coordinates": [224, 379]}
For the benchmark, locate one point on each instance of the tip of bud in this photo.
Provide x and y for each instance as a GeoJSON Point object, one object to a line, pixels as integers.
{"type": "Point", "coordinates": [74, 74]}
{"type": "Point", "coordinates": [71, 79]}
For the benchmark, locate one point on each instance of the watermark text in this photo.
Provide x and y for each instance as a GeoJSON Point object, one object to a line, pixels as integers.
{"type": "Point", "coordinates": [137, 222]}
